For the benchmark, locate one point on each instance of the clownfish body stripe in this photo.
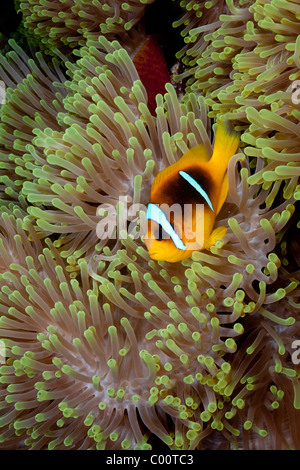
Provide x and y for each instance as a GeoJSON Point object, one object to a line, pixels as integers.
{"type": "Point", "coordinates": [197, 186]}
{"type": "Point", "coordinates": [157, 215]}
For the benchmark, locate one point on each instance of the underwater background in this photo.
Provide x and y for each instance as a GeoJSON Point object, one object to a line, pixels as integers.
{"type": "Point", "coordinates": [103, 347]}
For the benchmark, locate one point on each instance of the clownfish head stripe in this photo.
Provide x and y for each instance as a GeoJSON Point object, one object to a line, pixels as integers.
{"type": "Point", "coordinates": [197, 186]}
{"type": "Point", "coordinates": [157, 215]}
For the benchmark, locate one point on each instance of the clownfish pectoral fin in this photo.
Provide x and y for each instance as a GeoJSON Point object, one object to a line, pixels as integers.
{"type": "Point", "coordinates": [223, 193]}
{"type": "Point", "coordinates": [216, 234]}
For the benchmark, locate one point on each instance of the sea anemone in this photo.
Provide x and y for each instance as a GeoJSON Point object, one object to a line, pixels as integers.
{"type": "Point", "coordinates": [216, 329]}
{"type": "Point", "coordinates": [243, 57]}
{"type": "Point", "coordinates": [57, 24]}
{"type": "Point", "coordinates": [142, 349]}
{"type": "Point", "coordinates": [33, 97]}
{"type": "Point", "coordinates": [106, 348]}
{"type": "Point", "coordinates": [74, 164]}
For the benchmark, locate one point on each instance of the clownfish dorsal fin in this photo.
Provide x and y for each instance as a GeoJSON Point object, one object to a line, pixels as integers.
{"type": "Point", "coordinates": [194, 156]}
{"type": "Point", "coordinates": [225, 146]}
{"type": "Point", "coordinates": [223, 193]}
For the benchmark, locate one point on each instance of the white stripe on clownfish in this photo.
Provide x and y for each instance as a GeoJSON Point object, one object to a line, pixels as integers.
{"type": "Point", "coordinates": [157, 215]}
{"type": "Point", "coordinates": [197, 186]}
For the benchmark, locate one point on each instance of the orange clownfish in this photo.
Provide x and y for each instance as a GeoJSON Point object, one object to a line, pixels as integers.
{"type": "Point", "coordinates": [186, 197]}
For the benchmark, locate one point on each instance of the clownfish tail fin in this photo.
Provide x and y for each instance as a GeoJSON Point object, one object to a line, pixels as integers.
{"type": "Point", "coordinates": [225, 145]}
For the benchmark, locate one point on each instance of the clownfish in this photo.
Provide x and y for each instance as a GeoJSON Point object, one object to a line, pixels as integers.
{"type": "Point", "coordinates": [186, 197]}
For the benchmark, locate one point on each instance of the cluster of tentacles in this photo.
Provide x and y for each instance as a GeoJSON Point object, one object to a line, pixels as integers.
{"type": "Point", "coordinates": [104, 348]}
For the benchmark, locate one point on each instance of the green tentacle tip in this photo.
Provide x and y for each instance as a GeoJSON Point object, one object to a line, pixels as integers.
{"type": "Point", "coordinates": [247, 425]}
{"type": "Point", "coordinates": [126, 443]}
{"type": "Point", "coordinates": [212, 407]}
{"type": "Point", "coordinates": [226, 367]}
{"type": "Point", "coordinates": [205, 416]}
